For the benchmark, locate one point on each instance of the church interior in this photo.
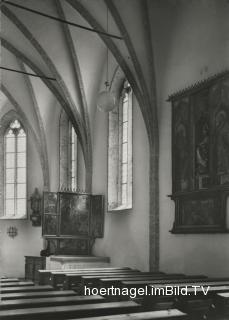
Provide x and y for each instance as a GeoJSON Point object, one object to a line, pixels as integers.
{"type": "Point", "coordinates": [114, 141]}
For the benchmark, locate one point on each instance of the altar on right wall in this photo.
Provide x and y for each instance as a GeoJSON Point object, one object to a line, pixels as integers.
{"type": "Point", "coordinates": [200, 156]}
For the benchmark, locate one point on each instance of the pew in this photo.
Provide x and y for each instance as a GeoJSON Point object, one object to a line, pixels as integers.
{"type": "Point", "coordinates": [49, 301]}
{"type": "Point", "coordinates": [46, 303]}
{"type": "Point", "coordinates": [181, 282]}
{"type": "Point", "coordinates": [44, 275]}
{"type": "Point", "coordinates": [215, 286]}
{"type": "Point", "coordinates": [9, 280]}
{"type": "Point", "coordinates": [196, 308]}
{"type": "Point", "coordinates": [73, 279]}
{"type": "Point", "coordinates": [58, 278]}
{"type": "Point", "coordinates": [197, 302]}
{"type": "Point", "coordinates": [71, 311]}
{"type": "Point", "coordinates": [172, 314]}
{"type": "Point", "coordinates": [93, 280]}
{"type": "Point", "coordinates": [210, 283]}
{"type": "Point", "coordinates": [208, 306]}
{"type": "Point", "coordinates": [144, 280]}
{"type": "Point", "coordinates": [221, 304]}
{"type": "Point", "coordinates": [38, 294]}
{"type": "Point", "coordinates": [138, 281]}
{"type": "Point", "coordinates": [19, 284]}
{"type": "Point", "coordinates": [25, 289]}
{"type": "Point", "coordinates": [123, 283]}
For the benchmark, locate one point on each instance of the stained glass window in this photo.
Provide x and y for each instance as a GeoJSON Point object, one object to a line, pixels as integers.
{"type": "Point", "coordinates": [68, 160]}
{"type": "Point", "coordinates": [15, 166]}
{"type": "Point", "coordinates": [120, 153]}
{"type": "Point", "coordinates": [73, 157]}
{"type": "Point", "coordinates": [126, 151]}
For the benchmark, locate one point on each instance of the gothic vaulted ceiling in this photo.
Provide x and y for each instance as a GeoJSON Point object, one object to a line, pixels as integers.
{"type": "Point", "coordinates": [76, 58]}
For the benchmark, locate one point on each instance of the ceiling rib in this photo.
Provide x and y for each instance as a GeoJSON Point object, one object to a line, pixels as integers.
{"type": "Point", "coordinates": [79, 82]}
{"type": "Point", "coordinates": [28, 73]}
{"type": "Point", "coordinates": [60, 20]}
{"type": "Point", "coordinates": [41, 134]}
{"type": "Point", "coordinates": [62, 90]}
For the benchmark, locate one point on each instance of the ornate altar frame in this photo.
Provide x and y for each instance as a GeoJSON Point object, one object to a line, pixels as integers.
{"type": "Point", "coordinates": [71, 221]}
{"type": "Point", "coordinates": [200, 156]}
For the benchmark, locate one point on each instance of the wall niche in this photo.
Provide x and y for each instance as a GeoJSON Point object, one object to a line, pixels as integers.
{"type": "Point", "coordinates": [200, 156]}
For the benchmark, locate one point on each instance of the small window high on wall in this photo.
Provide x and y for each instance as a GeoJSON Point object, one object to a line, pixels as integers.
{"type": "Point", "coordinates": [15, 169]}
{"type": "Point", "coordinates": [120, 153]}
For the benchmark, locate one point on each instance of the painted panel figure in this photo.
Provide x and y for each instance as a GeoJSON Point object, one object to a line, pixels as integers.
{"type": "Point", "coordinates": [52, 246]}
{"type": "Point", "coordinates": [50, 224]}
{"type": "Point", "coordinates": [222, 141]}
{"type": "Point", "coordinates": [200, 212]}
{"type": "Point", "coordinates": [97, 216]}
{"type": "Point", "coordinates": [202, 139]}
{"type": "Point", "coordinates": [73, 246]}
{"type": "Point", "coordinates": [74, 214]}
{"type": "Point", "coordinates": [50, 202]}
{"type": "Point", "coordinates": [202, 147]}
{"type": "Point", "coordinates": [181, 145]}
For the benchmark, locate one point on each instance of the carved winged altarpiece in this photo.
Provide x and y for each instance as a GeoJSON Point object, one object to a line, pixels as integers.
{"type": "Point", "coordinates": [71, 221]}
{"type": "Point", "coordinates": [200, 156]}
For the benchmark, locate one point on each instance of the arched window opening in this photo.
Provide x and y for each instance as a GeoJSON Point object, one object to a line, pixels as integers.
{"type": "Point", "coordinates": [125, 143]}
{"type": "Point", "coordinates": [73, 157]}
{"type": "Point", "coordinates": [120, 152]}
{"type": "Point", "coordinates": [15, 168]}
{"type": "Point", "coordinates": [68, 161]}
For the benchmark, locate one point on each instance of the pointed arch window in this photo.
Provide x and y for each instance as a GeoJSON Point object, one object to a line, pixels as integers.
{"type": "Point", "coordinates": [120, 153]}
{"type": "Point", "coordinates": [15, 171]}
{"type": "Point", "coordinates": [68, 163]}
{"type": "Point", "coordinates": [73, 157]}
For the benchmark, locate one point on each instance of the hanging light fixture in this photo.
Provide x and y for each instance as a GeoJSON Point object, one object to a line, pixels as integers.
{"type": "Point", "coordinates": [106, 101]}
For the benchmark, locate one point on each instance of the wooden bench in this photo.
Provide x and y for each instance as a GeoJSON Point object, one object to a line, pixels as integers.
{"type": "Point", "coordinates": [26, 289]}
{"type": "Point", "coordinates": [212, 306]}
{"type": "Point", "coordinates": [138, 282]}
{"type": "Point", "coordinates": [70, 278]}
{"type": "Point", "coordinates": [181, 282]}
{"type": "Point", "coordinates": [75, 311]}
{"type": "Point", "coordinates": [9, 280]}
{"type": "Point", "coordinates": [144, 280]}
{"type": "Point", "coordinates": [44, 275]}
{"type": "Point", "coordinates": [192, 283]}
{"type": "Point", "coordinates": [49, 301]}
{"type": "Point", "coordinates": [73, 279]}
{"type": "Point", "coordinates": [196, 302]}
{"type": "Point", "coordinates": [39, 294]}
{"type": "Point", "coordinates": [93, 280]}
{"type": "Point", "coordinates": [17, 284]}
{"type": "Point", "coordinates": [214, 286]}
{"type": "Point", "coordinates": [171, 314]}
{"type": "Point", "coordinates": [58, 278]}
{"type": "Point", "coordinates": [196, 308]}
{"type": "Point", "coordinates": [221, 303]}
